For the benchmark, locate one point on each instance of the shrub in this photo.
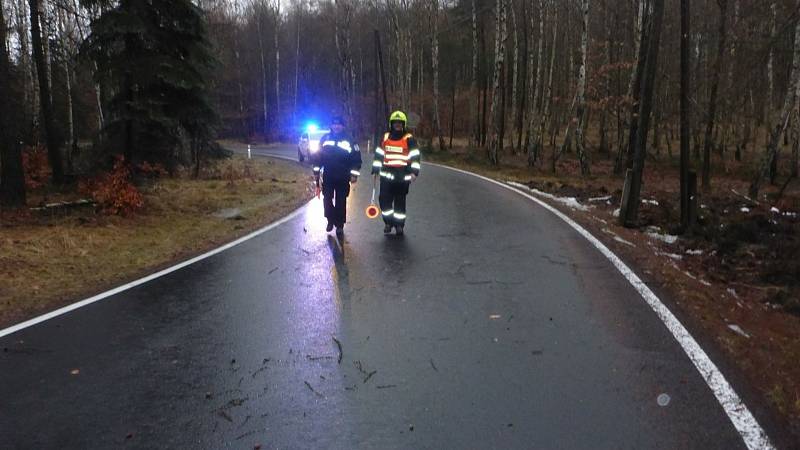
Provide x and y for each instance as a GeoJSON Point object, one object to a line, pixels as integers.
{"type": "Point", "coordinates": [114, 192]}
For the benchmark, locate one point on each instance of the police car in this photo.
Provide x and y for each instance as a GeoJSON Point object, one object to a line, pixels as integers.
{"type": "Point", "coordinates": [309, 142]}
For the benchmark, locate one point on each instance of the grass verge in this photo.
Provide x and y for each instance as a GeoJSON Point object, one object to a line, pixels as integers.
{"type": "Point", "coordinates": [48, 260]}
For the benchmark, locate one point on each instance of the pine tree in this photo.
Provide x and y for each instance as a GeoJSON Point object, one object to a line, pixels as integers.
{"type": "Point", "coordinates": [157, 56]}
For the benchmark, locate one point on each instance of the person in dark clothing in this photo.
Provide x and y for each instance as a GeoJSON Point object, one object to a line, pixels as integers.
{"type": "Point", "coordinates": [397, 161]}
{"type": "Point", "coordinates": [339, 162]}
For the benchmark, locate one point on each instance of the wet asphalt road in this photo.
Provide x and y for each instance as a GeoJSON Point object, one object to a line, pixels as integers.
{"type": "Point", "coordinates": [490, 325]}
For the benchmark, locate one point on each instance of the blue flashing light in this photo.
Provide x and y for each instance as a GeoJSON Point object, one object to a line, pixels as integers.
{"type": "Point", "coordinates": [311, 127]}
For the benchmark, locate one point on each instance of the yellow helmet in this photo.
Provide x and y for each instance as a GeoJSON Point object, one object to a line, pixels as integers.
{"type": "Point", "coordinates": [397, 116]}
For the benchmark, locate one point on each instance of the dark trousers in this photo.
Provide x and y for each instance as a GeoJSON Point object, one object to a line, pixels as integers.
{"type": "Point", "coordinates": [334, 197]}
{"type": "Point", "coordinates": [393, 201]}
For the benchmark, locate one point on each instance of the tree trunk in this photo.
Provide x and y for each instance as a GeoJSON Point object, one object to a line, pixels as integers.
{"type": "Point", "coordinates": [629, 213]}
{"type": "Point", "coordinates": [452, 113]}
{"type": "Point", "coordinates": [242, 124]}
{"type": "Point", "coordinates": [68, 77]}
{"type": "Point", "coordinates": [778, 129]}
{"type": "Point", "coordinates": [547, 95]}
{"type": "Point", "coordinates": [603, 148]}
{"type": "Point", "coordinates": [45, 33]}
{"type": "Point", "coordinates": [625, 152]}
{"type": "Point", "coordinates": [770, 98]}
{"type": "Point", "coordinates": [297, 70]}
{"type": "Point", "coordinates": [437, 125]}
{"type": "Point", "coordinates": [473, 98]}
{"type": "Point", "coordinates": [712, 102]}
{"type": "Point", "coordinates": [277, 61]}
{"type": "Point", "coordinates": [583, 153]}
{"type": "Point", "coordinates": [264, 110]}
{"type": "Point", "coordinates": [685, 111]}
{"type": "Point", "coordinates": [514, 76]}
{"type": "Point", "coordinates": [524, 75]}
{"type": "Point", "coordinates": [534, 88]}
{"type": "Point", "coordinates": [495, 111]}
{"type": "Point", "coordinates": [53, 141]}
{"type": "Point", "coordinates": [28, 82]}
{"type": "Point", "coordinates": [795, 146]}
{"type": "Point", "coordinates": [12, 177]}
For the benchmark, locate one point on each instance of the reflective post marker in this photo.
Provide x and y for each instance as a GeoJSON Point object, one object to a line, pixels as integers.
{"type": "Point", "coordinates": [248, 151]}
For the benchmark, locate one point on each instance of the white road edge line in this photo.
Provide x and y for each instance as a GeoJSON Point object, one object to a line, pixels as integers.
{"type": "Point", "coordinates": [132, 284]}
{"type": "Point", "coordinates": [743, 420]}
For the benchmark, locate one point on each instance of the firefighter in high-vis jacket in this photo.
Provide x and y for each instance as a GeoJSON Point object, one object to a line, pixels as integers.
{"type": "Point", "coordinates": [339, 162]}
{"type": "Point", "coordinates": [397, 162]}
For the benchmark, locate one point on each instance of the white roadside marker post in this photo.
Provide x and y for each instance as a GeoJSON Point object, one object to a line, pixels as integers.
{"type": "Point", "coordinates": [248, 151]}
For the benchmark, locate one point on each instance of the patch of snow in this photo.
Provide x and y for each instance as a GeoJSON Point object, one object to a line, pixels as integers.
{"type": "Point", "coordinates": [789, 214]}
{"type": "Point", "coordinates": [738, 330]}
{"type": "Point", "coordinates": [600, 199]}
{"type": "Point", "coordinates": [615, 213]}
{"type": "Point", "coordinates": [650, 202]}
{"type": "Point", "coordinates": [655, 233]}
{"type": "Point", "coordinates": [733, 292]}
{"type": "Point", "coordinates": [229, 213]}
{"type": "Point", "coordinates": [689, 275]}
{"type": "Point", "coordinates": [673, 256]}
{"type": "Point", "coordinates": [775, 210]}
{"type": "Point", "coordinates": [704, 282]}
{"type": "Point", "coordinates": [694, 252]}
{"type": "Point", "coordinates": [619, 239]}
{"type": "Point", "coordinates": [571, 202]}
{"type": "Point", "coordinates": [703, 207]}
{"type": "Point", "coordinates": [745, 209]}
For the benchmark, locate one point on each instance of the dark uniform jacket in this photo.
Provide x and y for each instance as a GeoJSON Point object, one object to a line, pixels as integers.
{"type": "Point", "coordinates": [339, 157]}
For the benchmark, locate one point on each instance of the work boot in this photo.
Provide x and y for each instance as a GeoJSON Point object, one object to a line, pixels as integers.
{"type": "Point", "coordinates": [399, 229]}
{"type": "Point", "coordinates": [329, 228]}
{"type": "Point", "coordinates": [387, 229]}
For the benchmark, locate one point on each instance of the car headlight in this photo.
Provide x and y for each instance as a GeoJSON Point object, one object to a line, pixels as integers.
{"type": "Point", "coordinates": [313, 146]}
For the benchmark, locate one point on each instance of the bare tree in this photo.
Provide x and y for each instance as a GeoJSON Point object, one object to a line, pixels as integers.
{"type": "Point", "coordinates": [712, 102]}
{"type": "Point", "coordinates": [437, 125]}
{"type": "Point", "coordinates": [514, 74]}
{"type": "Point", "coordinates": [624, 154]}
{"type": "Point", "coordinates": [534, 87]}
{"type": "Point", "coordinates": [780, 126]}
{"type": "Point", "coordinates": [686, 110]}
{"type": "Point", "coordinates": [629, 210]}
{"type": "Point", "coordinates": [277, 48]}
{"type": "Point", "coordinates": [495, 111]}
{"type": "Point", "coordinates": [547, 96]}
{"type": "Point", "coordinates": [12, 178]}
{"type": "Point", "coordinates": [583, 154]}
{"type": "Point", "coordinates": [260, 10]}
{"type": "Point", "coordinates": [773, 31]}
{"type": "Point", "coordinates": [45, 98]}
{"type": "Point", "coordinates": [473, 98]}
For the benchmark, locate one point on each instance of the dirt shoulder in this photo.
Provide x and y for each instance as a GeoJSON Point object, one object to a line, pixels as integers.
{"type": "Point", "coordinates": [734, 282]}
{"type": "Point", "coordinates": [52, 258]}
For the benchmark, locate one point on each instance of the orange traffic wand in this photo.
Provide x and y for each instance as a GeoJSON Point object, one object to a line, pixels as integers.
{"type": "Point", "coordinates": [372, 210]}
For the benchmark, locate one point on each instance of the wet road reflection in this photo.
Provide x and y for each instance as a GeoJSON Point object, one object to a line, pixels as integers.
{"type": "Point", "coordinates": [462, 334]}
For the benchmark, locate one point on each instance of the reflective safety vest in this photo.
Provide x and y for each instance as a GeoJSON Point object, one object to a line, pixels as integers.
{"type": "Point", "coordinates": [396, 152]}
